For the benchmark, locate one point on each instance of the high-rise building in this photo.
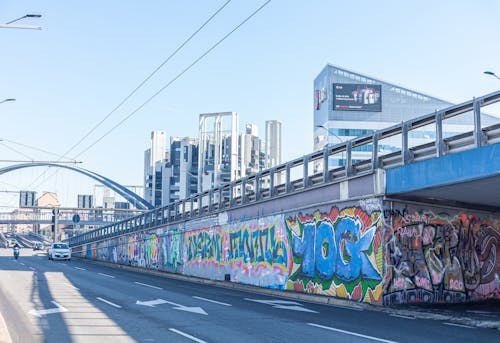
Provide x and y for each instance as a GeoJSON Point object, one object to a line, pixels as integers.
{"type": "Point", "coordinates": [218, 149]}
{"type": "Point", "coordinates": [179, 171]}
{"type": "Point", "coordinates": [153, 160]}
{"type": "Point", "coordinates": [27, 198]}
{"type": "Point", "coordinates": [85, 201]}
{"type": "Point", "coordinates": [349, 104]}
{"type": "Point", "coordinates": [272, 143]}
{"type": "Point", "coordinates": [250, 149]}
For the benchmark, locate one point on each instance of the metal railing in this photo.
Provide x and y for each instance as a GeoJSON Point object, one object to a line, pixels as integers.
{"type": "Point", "coordinates": [309, 171]}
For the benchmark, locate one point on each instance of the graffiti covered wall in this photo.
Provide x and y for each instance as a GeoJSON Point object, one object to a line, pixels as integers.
{"type": "Point", "coordinates": [367, 251]}
{"type": "Point", "coordinates": [442, 256]}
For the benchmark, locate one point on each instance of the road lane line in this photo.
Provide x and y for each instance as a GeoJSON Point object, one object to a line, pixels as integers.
{"type": "Point", "coordinates": [460, 325]}
{"type": "Point", "coordinates": [351, 333]}
{"type": "Point", "coordinates": [106, 275]}
{"type": "Point", "coordinates": [22, 264]}
{"type": "Point", "coordinates": [187, 336]}
{"type": "Point", "coordinates": [401, 316]}
{"type": "Point", "coordinates": [108, 302]}
{"type": "Point", "coordinates": [212, 301]}
{"type": "Point", "coordinates": [80, 268]}
{"type": "Point", "coordinates": [146, 285]}
{"type": "Point", "coordinates": [32, 268]}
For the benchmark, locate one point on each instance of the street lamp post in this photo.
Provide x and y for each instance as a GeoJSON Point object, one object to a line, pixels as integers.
{"type": "Point", "coordinates": [10, 26]}
{"type": "Point", "coordinates": [1, 102]}
{"type": "Point", "coordinates": [491, 74]}
{"type": "Point", "coordinates": [333, 134]}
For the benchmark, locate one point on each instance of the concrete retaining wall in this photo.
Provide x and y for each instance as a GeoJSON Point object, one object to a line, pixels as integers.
{"type": "Point", "coordinates": [367, 250]}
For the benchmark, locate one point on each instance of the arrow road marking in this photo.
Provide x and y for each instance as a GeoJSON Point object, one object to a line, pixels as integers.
{"type": "Point", "coordinates": [283, 304]}
{"type": "Point", "coordinates": [153, 303]}
{"type": "Point", "coordinates": [40, 313]}
{"type": "Point", "coordinates": [187, 335]}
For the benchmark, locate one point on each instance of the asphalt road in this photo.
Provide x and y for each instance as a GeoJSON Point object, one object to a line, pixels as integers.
{"type": "Point", "coordinates": [47, 301]}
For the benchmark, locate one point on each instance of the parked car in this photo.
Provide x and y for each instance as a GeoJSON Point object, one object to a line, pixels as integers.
{"type": "Point", "coordinates": [59, 251]}
{"type": "Point", "coordinates": [37, 246]}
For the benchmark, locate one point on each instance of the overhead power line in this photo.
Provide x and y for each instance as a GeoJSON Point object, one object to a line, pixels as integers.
{"type": "Point", "coordinates": [138, 87]}
{"type": "Point", "coordinates": [174, 79]}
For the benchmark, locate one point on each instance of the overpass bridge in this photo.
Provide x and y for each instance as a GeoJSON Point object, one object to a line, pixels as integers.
{"type": "Point", "coordinates": [417, 225]}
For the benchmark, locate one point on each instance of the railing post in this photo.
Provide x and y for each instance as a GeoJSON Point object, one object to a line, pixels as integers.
{"type": "Point", "coordinates": [404, 144]}
{"type": "Point", "coordinates": [348, 158]}
{"type": "Point", "coordinates": [478, 132]}
{"type": "Point", "coordinates": [271, 182]}
{"type": "Point", "coordinates": [375, 163]}
{"type": "Point", "coordinates": [257, 186]}
{"type": "Point", "coordinates": [243, 191]}
{"type": "Point", "coordinates": [305, 171]}
{"type": "Point", "coordinates": [439, 134]}
{"type": "Point", "coordinates": [288, 185]}
{"type": "Point", "coordinates": [325, 165]}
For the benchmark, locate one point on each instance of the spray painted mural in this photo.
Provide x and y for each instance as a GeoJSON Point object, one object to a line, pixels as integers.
{"type": "Point", "coordinates": [339, 253]}
{"type": "Point", "coordinates": [442, 257]}
{"type": "Point", "coordinates": [368, 251]}
{"type": "Point", "coordinates": [254, 252]}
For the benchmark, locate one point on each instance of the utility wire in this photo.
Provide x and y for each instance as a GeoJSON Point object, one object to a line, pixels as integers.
{"type": "Point", "coordinates": [174, 79]}
{"type": "Point", "coordinates": [150, 75]}
{"type": "Point", "coordinates": [32, 147]}
{"type": "Point", "coordinates": [139, 86]}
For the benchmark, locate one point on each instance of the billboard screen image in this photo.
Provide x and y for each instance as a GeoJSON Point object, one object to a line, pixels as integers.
{"type": "Point", "coordinates": [357, 97]}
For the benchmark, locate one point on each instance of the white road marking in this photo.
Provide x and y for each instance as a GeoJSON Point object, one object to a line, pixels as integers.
{"type": "Point", "coordinates": [152, 303]}
{"type": "Point", "coordinates": [283, 304]}
{"type": "Point", "coordinates": [108, 302]}
{"type": "Point", "coordinates": [22, 264]}
{"type": "Point", "coordinates": [80, 268]}
{"type": "Point", "coordinates": [32, 268]}
{"type": "Point", "coordinates": [187, 335]}
{"type": "Point", "coordinates": [146, 285]}
{"type": "Point", "coordinates": [106, 275]}
{"type": "Point", "coordinates": [459, 325]}
{"type": "Point", "coordinates": [351, 333]}
{"type": "Point", "coordinates": [211, 301]}
{"type": "Point", "coordinates": [401, 316]}
{"type": "Point", "coordinates": [40, 313]}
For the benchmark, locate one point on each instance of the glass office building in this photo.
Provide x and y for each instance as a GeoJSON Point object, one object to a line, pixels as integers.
{"type": "Point", "coordinates": [348, 104]}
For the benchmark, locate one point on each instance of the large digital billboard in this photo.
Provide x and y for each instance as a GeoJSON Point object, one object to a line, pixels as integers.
{"type": "Point", "coordinates": [357, 97]}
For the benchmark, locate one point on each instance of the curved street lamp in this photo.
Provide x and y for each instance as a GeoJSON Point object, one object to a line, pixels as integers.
{"type": "Point", "coordinates": [9, 26]}
{"type": "Point", "coordinates": [7, 100]}
{"type": "Point", "coordinates": [491, 74]}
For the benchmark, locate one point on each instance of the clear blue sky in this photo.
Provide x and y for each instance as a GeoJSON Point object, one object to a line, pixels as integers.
{"type": "Point", "coordinates": [91, 54]}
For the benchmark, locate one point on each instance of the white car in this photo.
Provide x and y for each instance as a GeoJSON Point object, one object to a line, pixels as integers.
{"type": "Point", "coordinates": [59, 251]}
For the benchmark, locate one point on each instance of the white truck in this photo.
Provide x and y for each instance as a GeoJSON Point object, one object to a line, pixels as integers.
{"type": "Point", "coordinates": [59, 251]}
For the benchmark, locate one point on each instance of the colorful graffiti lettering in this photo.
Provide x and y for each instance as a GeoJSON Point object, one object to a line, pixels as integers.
{"type": "Point", "coordinates": [442, 258]}
{"type": "Point", "coordinates": [337, 250]}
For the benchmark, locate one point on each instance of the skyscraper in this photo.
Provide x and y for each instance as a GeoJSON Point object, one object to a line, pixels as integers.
{"type": "Point", "coordinates": [273, 143]}
{"type": "Point", "coordinates": [218, 149]}
{"type": "Point", "coordinates": [153, 159]}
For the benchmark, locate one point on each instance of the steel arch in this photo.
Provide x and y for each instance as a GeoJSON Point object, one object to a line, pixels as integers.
{"type": "Point", "coordinates": [130, 196]}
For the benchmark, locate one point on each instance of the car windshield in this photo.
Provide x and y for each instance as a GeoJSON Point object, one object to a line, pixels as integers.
{"type": "Point", "coordinates": [60, 246]}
